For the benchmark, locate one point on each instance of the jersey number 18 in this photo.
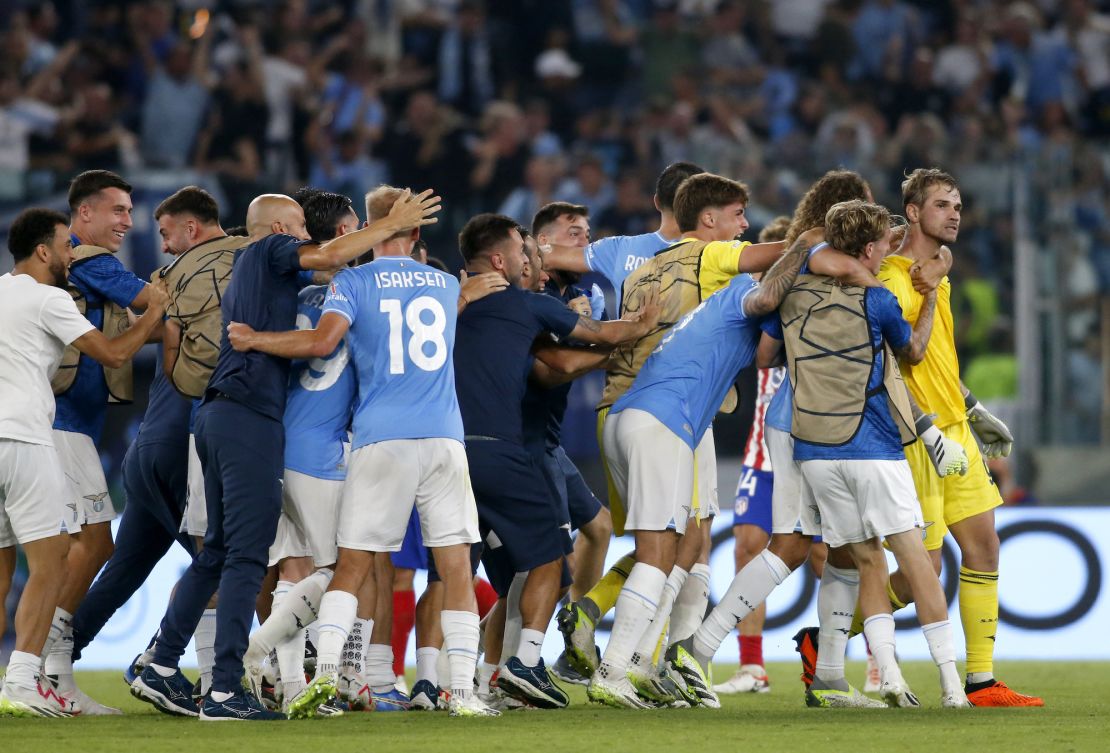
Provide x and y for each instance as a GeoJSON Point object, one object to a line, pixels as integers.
{"type": "Point", "coordinates": [422, 333]}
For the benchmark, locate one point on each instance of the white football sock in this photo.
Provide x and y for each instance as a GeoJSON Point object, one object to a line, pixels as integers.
{"type": "Point", "coordinates": [750, 588]}
{"type": "Point", "coordinates": [23, 670]}
{"type": "Point", "coordinates": [836, 604]}
{"type": "Point", "coordinates": [645, 650]}
{"type": "Point", "coordinates": [943, 650]}
{"type": "Point", "coordinates": [298, 609]}
{"type": "Point", "coordinates": [353, 659]}
{"type": "Point", "coordinates": [59, 660]}
{"type": "Point", "coordinates": [337, 615]}
{"type": "Point", "coordinates": [485, 674]}
{"type": "Point", "coordinates": [204, 641]}
{"type": "Point", "coordinates": [379, 667]}
{"type": "Point", "coordinates": [689, 607]}
{"type": "Point", "coordinates": [61, 620]}
{"type": "Point", "coordinates": [290, 653]}
{"type": "Point", "coordinates": [510, 640]}
{"type": "Point", "coordinates": [426, 659]}
{"type": "Point", "coordinates": [531, 643]}
{"type": "Point", "coordinates": [636, 605]}
{"type": "Point", "coordinates": [879, 629]}
{"type": "Point", "coordinates": [460, 641]}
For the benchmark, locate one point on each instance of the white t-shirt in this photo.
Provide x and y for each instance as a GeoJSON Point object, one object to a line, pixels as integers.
{"type": "Point", "coordinates": [37, 321]}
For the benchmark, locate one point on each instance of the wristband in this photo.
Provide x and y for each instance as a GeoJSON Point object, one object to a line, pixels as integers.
{"type": "Point", "coordinates": [970, 401]}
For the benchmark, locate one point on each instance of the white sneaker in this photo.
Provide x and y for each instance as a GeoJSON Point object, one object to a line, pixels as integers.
{"type": "Point", "coordinates": [750, 678]}
{"type": "Point", "coordinates": [83, 704]}
{"type": "Point", "coordinates": [401, 684]}
{"type": "Point", "coordinates": [16, 700]}
{"type": "Point", "coordinates": [469, 704]}
{"type": "Point", "coordinates": [618, 692]}
{"type": "Point", "coordinates": [354, 689]}
{"type": "Point", "coordinates": [874, 679]}
{"type": "Point", "coordinates": [898, 695]}
{"type": "Point", "coordinates": [957, 699]}
{"type": "Point", "coordinates": [254, 673]}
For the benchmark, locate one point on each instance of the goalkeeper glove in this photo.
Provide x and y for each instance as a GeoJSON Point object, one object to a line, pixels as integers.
{"type": "Point", "coordinates": [947, 455]}
{"type": "Point", "coordinates": [995, 435]}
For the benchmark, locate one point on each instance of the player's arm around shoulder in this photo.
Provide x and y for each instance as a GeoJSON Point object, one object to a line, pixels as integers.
{"type": "Point", "coordinates": [116, 351]}
{"type": "Point", "coordinates": [778, 280]}
{"type": "Point", "coordinates": [909, 345]}
{"type": "Point", "coordinates": [635, 325]}
{"type": "Point", "coordinates": [298, 343]}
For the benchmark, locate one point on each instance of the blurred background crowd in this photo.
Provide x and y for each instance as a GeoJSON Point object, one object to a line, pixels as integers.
{"type": "Point", "coordinates": [504, 105]}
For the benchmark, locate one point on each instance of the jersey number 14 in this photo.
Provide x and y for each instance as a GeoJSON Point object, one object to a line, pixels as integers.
{"type": "Point", "coordinates": [422, 333]}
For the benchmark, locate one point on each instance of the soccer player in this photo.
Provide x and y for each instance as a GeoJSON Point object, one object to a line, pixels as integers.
{"type": "Point", "coordinates": [653, 429]}
{"type": "Point", "coordinates": [963, 505]}
{"type": "Point", "coordinates": [154, 469]}
{"type": "Point", "coordinates": [100, 217]}
{"type": "Point", "coordinates": [564, 224]}
{"type": "Point", "coordinates": [495, 338]}
{"type": "Point", "coordinates": [38, 320]}
{"type": "Point", "coordinates": [321, 393]}
{"type": "Point", "coordinates": [852, 458]}
{"type": "Point", "coordinates": [751, 528]}
{"type": "Point", "coordinates": [400, 315]}
{"type": "Point", "coordinates": [246, 397]}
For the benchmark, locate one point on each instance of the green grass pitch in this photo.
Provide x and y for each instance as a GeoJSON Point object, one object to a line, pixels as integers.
{"type": "Point", "coordinates": [1074, 719]}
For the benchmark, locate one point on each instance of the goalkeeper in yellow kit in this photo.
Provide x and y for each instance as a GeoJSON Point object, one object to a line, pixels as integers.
{"type": "Point", "coordinates": [964, 504]}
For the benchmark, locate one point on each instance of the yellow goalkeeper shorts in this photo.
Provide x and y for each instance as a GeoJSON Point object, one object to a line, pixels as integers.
{"type": "Point", "coordinates": [946, 501]}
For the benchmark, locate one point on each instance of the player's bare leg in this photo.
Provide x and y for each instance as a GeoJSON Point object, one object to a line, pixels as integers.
{"type": "Point", "coordinates": [590, 549]}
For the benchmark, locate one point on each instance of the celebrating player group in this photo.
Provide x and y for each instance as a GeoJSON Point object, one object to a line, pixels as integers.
{"type": "Point", "coordinates": [332, 406]}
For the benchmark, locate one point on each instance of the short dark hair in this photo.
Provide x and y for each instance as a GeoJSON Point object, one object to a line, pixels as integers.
{"type": "Point", "coordinates": [238, 231]}
{"type": "Point", "coordinates": [702, 191]}
{"type": "Point", "coordinates": [192, 200]}
{"type": "Point", "coordinates": [92, 182]}
{"type": "Point", "coordinates": [437, 263]}
{"type": "Point", "coordinates": [550, 212]}
{"type": "Point", "coordinates": [303, 194]}
{"type": "Point", "coordinates": [32, 227]}
{"type": "Point", "coordinates": [323, 212]}
{"type": "Point", "coordinates": [670, 179]}
{"type": "Point", "coordinates": [482, 232]}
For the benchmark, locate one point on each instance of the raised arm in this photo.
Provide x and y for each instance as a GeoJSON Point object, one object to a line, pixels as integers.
{"type": "Point", "coordinates": [847, 270]}
{"type": "Point", "coordinates": [117, 351]}
{"type": "Point", "coordinates": [564, 258]}
{"type": "Point", "coordinates": [408, 211]}
{"type": "Point", "coordinates": [779, 279]}
{"type": "Point", "coordinates": [759, 257]}
{"type": "Point", "coordinates": [476, 287]}
{"type": "Point", "coordinates": [913, 352]}
{"type": "Point", "coordinates": [297, 343]}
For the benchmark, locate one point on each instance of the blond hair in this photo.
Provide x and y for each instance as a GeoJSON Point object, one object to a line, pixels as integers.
{"type": "Point", "coordinates": [379, 203]}
{"type": "Point", "coordinates": [851, 225]}
{"type": "Point", "coordinates": [775, 230]}
{"type": "Point", "coordinates": [915, 188]}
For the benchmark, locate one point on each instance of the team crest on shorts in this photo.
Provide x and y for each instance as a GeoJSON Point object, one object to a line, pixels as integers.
{"type": "Point", "coordinates": [97, 500]}
{"type": "Point", "coordinates": [741, 505]}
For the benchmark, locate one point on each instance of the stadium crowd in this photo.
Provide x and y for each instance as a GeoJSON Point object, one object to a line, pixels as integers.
{"type": "Point", "coordinates": [533, 122]}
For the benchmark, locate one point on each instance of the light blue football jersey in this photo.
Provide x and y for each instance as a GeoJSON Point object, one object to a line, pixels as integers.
{"type": "Point", "coordinates": [618, 256]}
{"type": "Point", "coordinates": [319, 402]}
{"type": "Point", "coordinates": [402, 341]}
{"type": "Point", "coordinates": [686, 377]}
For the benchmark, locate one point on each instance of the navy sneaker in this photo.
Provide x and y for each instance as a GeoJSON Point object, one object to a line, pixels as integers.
{"type": "Point", "coordinates": [424, 697]}
{"type": "Point", "coordinates": [531, 685]}
{"type": "Point", "coordinates": [241, 707]}
{"type": "Point", "coordinates": [133, 670]}
{"type": "Point", "coordinates": [170, 695]}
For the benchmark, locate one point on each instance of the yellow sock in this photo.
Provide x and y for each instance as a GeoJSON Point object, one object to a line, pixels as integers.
{"type": "Point", "coordinates": [979, 617]}
{"type": "Point", "coordinates": [605, 593]}
{"type": "Point", "coordinates": [895, 605]}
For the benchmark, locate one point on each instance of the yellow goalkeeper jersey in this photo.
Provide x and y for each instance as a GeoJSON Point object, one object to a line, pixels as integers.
{"type": "Point", "coordinates": [935, 382]}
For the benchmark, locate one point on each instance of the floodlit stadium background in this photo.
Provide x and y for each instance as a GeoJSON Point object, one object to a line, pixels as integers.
{"type": "Point", "coordinates": [507, 104]}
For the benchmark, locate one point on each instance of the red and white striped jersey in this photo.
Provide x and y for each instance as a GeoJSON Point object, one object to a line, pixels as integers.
{"type": "Point", "coordinates": [768, 382]}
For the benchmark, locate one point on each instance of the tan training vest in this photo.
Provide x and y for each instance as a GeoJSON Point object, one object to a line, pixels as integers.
{"type": "Point", "coordinates": [121, 384]}
{"type": "Point", "coordinates": [196, 281]}
{"type": "Point", "coordinates": [829, 357]}
{"type": "Point", "coordinates": [676, 270]}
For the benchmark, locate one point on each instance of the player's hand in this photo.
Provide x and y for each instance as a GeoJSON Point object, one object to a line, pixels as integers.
{"type": "Point", "coordinates": [651, 308]}
{"type": "Point", "coordinates": [479, 286]}
{"type": "Point", "coordinates": [947, 455]}
{"type": "Point", "coordinates": [414, 210]}
{"type": "Point", "coordinates": [239, 335]}
{"type": "Point", "coordinates": [996, 437]}
{"type": "Point", "coordinates": [581, 306]}
{"type": "Point", "coordinates": [926, 276]}
{"type": "Point", "coordinates": [158, 296]}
